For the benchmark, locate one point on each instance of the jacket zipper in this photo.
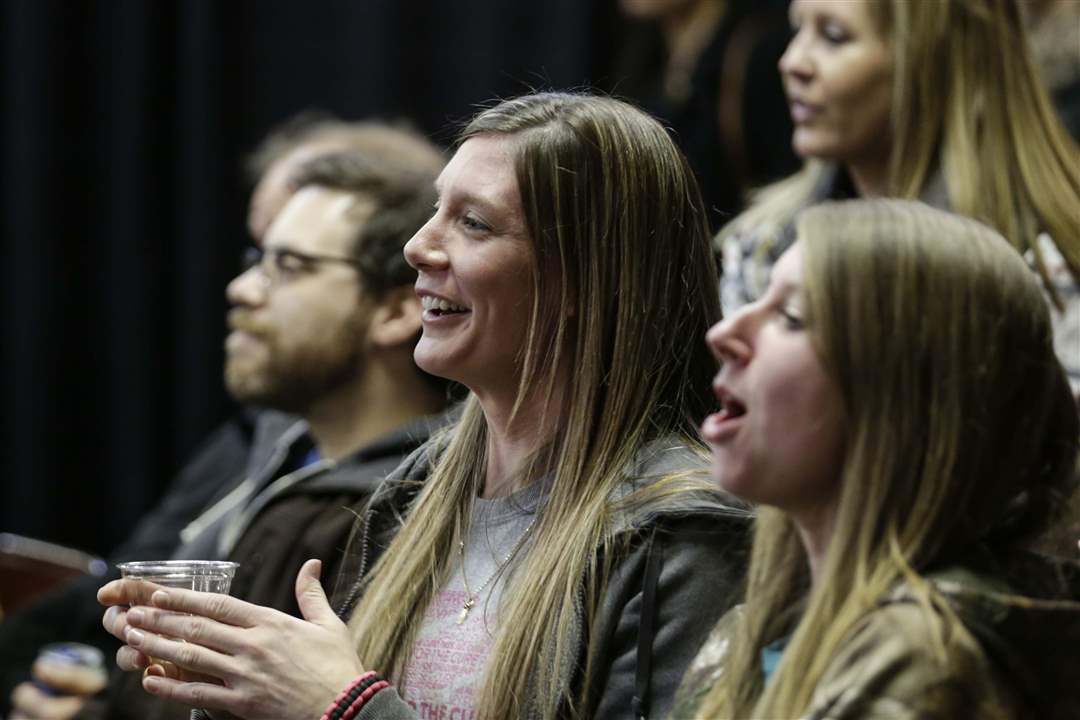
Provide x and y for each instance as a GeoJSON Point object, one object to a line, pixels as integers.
{"type": "Point", "coordinates": [350, 600]}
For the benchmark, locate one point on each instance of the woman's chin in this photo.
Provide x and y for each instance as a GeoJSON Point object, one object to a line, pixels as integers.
{"type": "Point", "coordinates": [725, 476]}
{"type": "Point", "coordinates": [809, 145]}
{"type": "Point", "coordinates": [433, 363]}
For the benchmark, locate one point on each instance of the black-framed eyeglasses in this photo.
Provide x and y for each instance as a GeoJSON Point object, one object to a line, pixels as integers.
{"type": "Point", "coordinates": [281, 263]}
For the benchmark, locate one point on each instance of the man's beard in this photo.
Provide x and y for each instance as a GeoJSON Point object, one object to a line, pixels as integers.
{"type": "Point", "coordinates": [293, 379]}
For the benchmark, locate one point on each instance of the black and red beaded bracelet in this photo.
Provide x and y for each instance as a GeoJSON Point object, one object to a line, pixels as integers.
{"type": "Point", "coordinates": [353, 697]}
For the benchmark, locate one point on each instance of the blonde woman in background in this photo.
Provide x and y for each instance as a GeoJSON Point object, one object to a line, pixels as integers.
{"type": "Point", "coordinates": [938, 101]}
{"type": "Point", "coordinates": [889, 576]}
{"type": "Point", "coordinates": [562, 548]}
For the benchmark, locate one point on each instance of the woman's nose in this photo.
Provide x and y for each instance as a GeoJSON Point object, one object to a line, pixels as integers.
{"type": "Point", "coordinates": [729, 339]}
{"type": "Point", "coordinates": [425, 251]}
{"type": "Point", "coordinates": [795, 62]}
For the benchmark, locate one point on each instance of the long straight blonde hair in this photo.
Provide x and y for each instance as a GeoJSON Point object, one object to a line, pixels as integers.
{"type": "Point", "coordinates": [968, 103]}
{"type": "Point", "coordinates": [924, 321]}
{"type": "Point", "coordinates": [623, 289]}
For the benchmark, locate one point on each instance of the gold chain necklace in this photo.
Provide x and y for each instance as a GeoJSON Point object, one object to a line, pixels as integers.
{"type": "Point", "coordinates": [470, 596]}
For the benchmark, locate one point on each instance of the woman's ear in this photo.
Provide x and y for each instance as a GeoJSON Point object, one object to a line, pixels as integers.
{"type": "Point", "coordinates": [395, 320]}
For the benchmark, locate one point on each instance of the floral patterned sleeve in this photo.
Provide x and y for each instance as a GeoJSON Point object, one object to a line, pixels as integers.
{"type": "Point", "coordinates": [1066, 322]}
{"type": "Point", "coordinates": [747, 256]}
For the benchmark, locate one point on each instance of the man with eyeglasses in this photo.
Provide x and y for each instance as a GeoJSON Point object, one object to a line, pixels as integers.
{"type": "Point", "coordinates": [322, 323]}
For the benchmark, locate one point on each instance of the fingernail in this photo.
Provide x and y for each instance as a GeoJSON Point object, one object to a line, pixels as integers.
{"type": "Point", "coordinates": [159, 597]}
{"type": "Point", "coordinates": [136, 615]}
{"type": "Point", "coordinates": [133, 637]}
{"type": "Point", "coordinates": [151, 682]}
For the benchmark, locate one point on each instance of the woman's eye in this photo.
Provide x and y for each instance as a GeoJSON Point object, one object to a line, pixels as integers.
{"type": "Point", "coordinates": [834, 33]}
{"type": "Point", "coordinates": [792, 320]}
{"type": "Point", "coordinates": [474, 224]}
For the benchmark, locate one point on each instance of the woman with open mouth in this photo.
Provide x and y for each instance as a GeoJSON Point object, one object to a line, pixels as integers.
{"type": "Point", "coordinates": [894, 406]}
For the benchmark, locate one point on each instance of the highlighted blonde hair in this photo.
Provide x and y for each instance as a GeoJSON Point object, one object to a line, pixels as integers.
{"type": "Point", "coordinates": [968, 103]}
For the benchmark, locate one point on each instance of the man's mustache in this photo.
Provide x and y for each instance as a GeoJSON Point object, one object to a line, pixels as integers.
{"type": "Point", "coordinates": [239, 319]}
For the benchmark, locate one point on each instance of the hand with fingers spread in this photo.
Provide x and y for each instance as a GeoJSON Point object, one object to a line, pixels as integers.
{"type": "Point", "coordinates": [253, 661]}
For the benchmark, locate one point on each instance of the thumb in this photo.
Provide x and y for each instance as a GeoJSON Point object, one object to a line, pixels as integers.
{"type": "Point", "coordinates": [311, 598]}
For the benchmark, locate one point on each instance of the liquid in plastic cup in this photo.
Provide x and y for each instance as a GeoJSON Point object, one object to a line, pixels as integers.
{"type": "Point", "coordinates": [69, 668]}
{"type": "Point", "coordinates": [214, 576]}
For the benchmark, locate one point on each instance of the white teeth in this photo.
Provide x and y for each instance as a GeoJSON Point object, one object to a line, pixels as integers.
{"type": "Point", "coordinates": [429, 302]}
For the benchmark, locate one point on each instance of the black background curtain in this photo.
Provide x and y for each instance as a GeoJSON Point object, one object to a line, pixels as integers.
{"type": "Point", "coordinates": [123, 130]}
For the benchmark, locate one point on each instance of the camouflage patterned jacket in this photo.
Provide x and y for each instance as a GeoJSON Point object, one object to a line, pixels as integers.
{"type": "Point", "coordinates": [1027, 665]}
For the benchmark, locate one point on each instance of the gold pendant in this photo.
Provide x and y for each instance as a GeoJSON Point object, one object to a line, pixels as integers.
{"type": "Point", "coordinates": [465, 610]}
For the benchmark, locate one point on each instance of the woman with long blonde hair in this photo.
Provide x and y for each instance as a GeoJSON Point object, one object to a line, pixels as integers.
{"type": "Point", "coordinates": [558, 550]}
{"type": "Point", "coordinates": [888, 575]}
{"type": "Point", "coordinates": [938, 101]}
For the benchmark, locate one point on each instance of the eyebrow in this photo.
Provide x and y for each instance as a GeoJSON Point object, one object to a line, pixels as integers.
{"type": "Point", "coordinates": [785, 290]}
{"type": "Point", "coordinates": [499, 208]}
{"type": "Point", "coordinates": [283, 248]}
{"type": "Point", "coordinates": [786, 285]}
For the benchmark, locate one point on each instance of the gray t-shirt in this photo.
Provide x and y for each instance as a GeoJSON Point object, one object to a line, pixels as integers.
{"type": "Point", "coordinates": [450, 655]}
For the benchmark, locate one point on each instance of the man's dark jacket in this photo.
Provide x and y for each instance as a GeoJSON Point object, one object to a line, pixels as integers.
{"type": "Point", "coordinates": [300, 514]}
{"type": "Point", "coordinates": [294, 512]}
{"type": "Point", "coordinates": [72, 612]}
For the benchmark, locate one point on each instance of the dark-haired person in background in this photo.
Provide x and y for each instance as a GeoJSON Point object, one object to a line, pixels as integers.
{"type": "Point", "coordinates": [323, 324]}
{"type": "Point", "coordinates": [707, 69]}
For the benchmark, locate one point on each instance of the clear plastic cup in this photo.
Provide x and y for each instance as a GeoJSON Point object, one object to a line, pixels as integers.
{"type": "Point", "coordinates": [214, 576]}
{"type": "Point", "coordinates": [69, 668]}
